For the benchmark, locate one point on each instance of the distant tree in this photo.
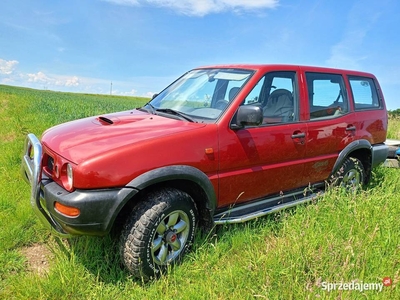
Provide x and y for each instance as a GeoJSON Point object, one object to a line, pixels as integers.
{"type": "Point", "coordinates": [394, 113]}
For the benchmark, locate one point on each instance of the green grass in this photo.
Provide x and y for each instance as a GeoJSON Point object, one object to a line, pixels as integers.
{"type": "Point", "coordinates": [339, 238]}
{"type": "Point", "coordinates": [394, 128]}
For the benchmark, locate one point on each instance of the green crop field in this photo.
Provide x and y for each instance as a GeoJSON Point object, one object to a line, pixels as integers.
{"type": "Point", "coordinates": [295, 254]}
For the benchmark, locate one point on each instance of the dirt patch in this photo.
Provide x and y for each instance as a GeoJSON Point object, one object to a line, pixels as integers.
{"type": "Point", "coordinates": [38, 257]}
{"type": "Point", "coordinates": [3, 105]}
{"type": "Point", "coordinates": [10, 137]}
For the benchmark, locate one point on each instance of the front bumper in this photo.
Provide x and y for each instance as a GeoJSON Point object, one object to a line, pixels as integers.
{"type": "Point", "coordinates": [98, 208]}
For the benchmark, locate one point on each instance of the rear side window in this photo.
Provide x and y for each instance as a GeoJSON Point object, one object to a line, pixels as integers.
{"type": "Point", "coordinates": [327, 95]}
{"type": "Point", "coordinates": [364, 93]}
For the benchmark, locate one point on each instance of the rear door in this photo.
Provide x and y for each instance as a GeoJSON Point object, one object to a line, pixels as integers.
{"type": "Point", "coordinates": [331, 123]}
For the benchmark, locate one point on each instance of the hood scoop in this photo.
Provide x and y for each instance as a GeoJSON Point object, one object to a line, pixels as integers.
{"type": "Point", "coordinates": [105, 121]}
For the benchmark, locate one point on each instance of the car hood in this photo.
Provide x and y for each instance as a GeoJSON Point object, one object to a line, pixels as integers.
{"type": "Point", "coordinates": [86, 138]}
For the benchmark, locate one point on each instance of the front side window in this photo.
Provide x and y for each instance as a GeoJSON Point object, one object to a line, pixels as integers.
{"type": "Point", "coordinates": [327, 95]}
{"type": "Point", "coordinates": [200, 95]}
{"type": "Point", "coordinates": [276, 94]}
{"type": "Point", "coordinates": [364, 93]}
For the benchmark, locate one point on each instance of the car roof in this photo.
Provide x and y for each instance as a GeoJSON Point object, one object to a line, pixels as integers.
{"type": "Point", "coordinates": [286, 67]}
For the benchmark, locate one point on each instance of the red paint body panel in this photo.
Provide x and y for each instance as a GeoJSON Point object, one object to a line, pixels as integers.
{"type": "Point", "coordinates": [325, 140]}
{"type": "Point", "coordinates": [85, 139]}
{"type": "Point", "coordinates": [112, 155]}
{"type": "Point", "coordinates": [259, 162]}
{"type": "Point", "coordinates": [242, 164]}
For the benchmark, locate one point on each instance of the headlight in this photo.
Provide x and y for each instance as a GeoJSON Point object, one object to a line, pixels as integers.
{"type": "Point", "coordinates": [68, 177]}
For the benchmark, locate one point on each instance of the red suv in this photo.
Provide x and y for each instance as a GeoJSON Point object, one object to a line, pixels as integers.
{"type": "Point", "coordinates": [221, 144]}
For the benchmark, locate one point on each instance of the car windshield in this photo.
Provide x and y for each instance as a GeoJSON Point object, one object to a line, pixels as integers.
{"type": "Point", "coordinates": [200, 95]}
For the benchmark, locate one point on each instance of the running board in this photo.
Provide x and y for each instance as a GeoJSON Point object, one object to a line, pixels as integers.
{"type": "Point", "coordinates": [225, 218]}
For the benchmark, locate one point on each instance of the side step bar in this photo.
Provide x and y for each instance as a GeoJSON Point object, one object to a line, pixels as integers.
{"type": "Point", "coordinates": [225, 218]}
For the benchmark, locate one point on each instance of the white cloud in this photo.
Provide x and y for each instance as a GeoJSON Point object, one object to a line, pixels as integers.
{"type": "Point", "coordinates": [346, 53]}
{"type": "Point", "coordinates": [52, 80]}
{"type": "Point", "coordinates": [39, 77]}
{"type": "Point", "coordinates": [7, 66]}
{"type": "Point", "coordinates": [120, 93]}
{"type": "Point", "coordinates": [73, 81]}
{"type": "Point", "coordinates": [131, 93]}
{"type": "Point", "coordinates": [149, 94]}
{"type": "Point", "coordinates": [350, 51]}
{"type": "Point", "coordinates": [203, 7]}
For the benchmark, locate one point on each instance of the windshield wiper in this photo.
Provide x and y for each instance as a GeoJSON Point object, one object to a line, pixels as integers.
{"type": "Point", "coordinates": [176, 113]}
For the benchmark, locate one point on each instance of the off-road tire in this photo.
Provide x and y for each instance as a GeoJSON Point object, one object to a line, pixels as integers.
{"type": "Point", "coordinates": [158, 232]}
{"type": "Point", "coordinates": [351, 175]}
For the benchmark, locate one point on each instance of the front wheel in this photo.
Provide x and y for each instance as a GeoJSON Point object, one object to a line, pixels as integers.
{"type": "Point", "coordinates": [158, 233]}
{"type": "Point", "coordinates": [351, 175]}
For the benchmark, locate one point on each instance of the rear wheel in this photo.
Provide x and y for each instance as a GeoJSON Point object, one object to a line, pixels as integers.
{"type": "Point", "coordinates": [351, 175]}
{"type": "Point", "coordinates": [158, 232]}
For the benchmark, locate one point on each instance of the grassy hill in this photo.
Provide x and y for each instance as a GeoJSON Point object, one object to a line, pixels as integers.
{"type": "Point", "coordinates": [290, 255]}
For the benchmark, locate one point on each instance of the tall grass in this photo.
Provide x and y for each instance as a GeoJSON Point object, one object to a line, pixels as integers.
{"type": "Point", "coordinates": [338, 238]}
{"type": "Point", "coordinates": [394, 128]}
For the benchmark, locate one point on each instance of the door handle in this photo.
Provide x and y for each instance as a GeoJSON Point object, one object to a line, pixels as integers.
{"type": "Point", "coordinates": [351, 128]}
{"type": "Point", "coordinates": [299, 135]}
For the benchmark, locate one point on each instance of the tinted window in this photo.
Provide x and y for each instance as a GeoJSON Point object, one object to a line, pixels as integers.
{"type": "Point", "coordinates": [364, 93]}
{"type": "Point", "coordinates": [326, 95]}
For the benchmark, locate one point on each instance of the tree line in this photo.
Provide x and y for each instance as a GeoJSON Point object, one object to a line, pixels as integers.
{"type": "Point", "coordinates": [394, 113]}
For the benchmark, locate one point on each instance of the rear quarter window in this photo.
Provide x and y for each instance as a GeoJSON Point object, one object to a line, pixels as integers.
{"type": "Point", "coordinates": [364, 93]}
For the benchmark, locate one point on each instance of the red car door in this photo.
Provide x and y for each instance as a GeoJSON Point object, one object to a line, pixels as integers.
{"type": "Point", "coordinates": [258, 161]}
{"type": "Point", "coordinates": [331, 123]}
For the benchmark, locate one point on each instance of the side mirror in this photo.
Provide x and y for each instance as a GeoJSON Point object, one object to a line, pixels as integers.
{"type": "Point", "coordinates": [155, 95]}
{"type": "Point", "coordinates": [249, 115]}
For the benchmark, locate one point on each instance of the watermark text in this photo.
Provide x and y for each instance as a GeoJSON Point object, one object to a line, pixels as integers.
{"type": "Point", "coordinates": [356, 285]}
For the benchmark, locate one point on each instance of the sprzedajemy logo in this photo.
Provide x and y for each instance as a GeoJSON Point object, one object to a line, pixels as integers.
{"type": "Point", "coordinates": [356, 285]}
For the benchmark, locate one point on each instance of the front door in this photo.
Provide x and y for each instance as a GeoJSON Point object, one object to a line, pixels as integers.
{"type": "Point", "coordinates": [263, 160]}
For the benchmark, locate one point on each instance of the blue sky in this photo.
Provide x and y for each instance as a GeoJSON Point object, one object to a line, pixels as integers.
{"type": "Point", "coordinates": [142, 45]}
